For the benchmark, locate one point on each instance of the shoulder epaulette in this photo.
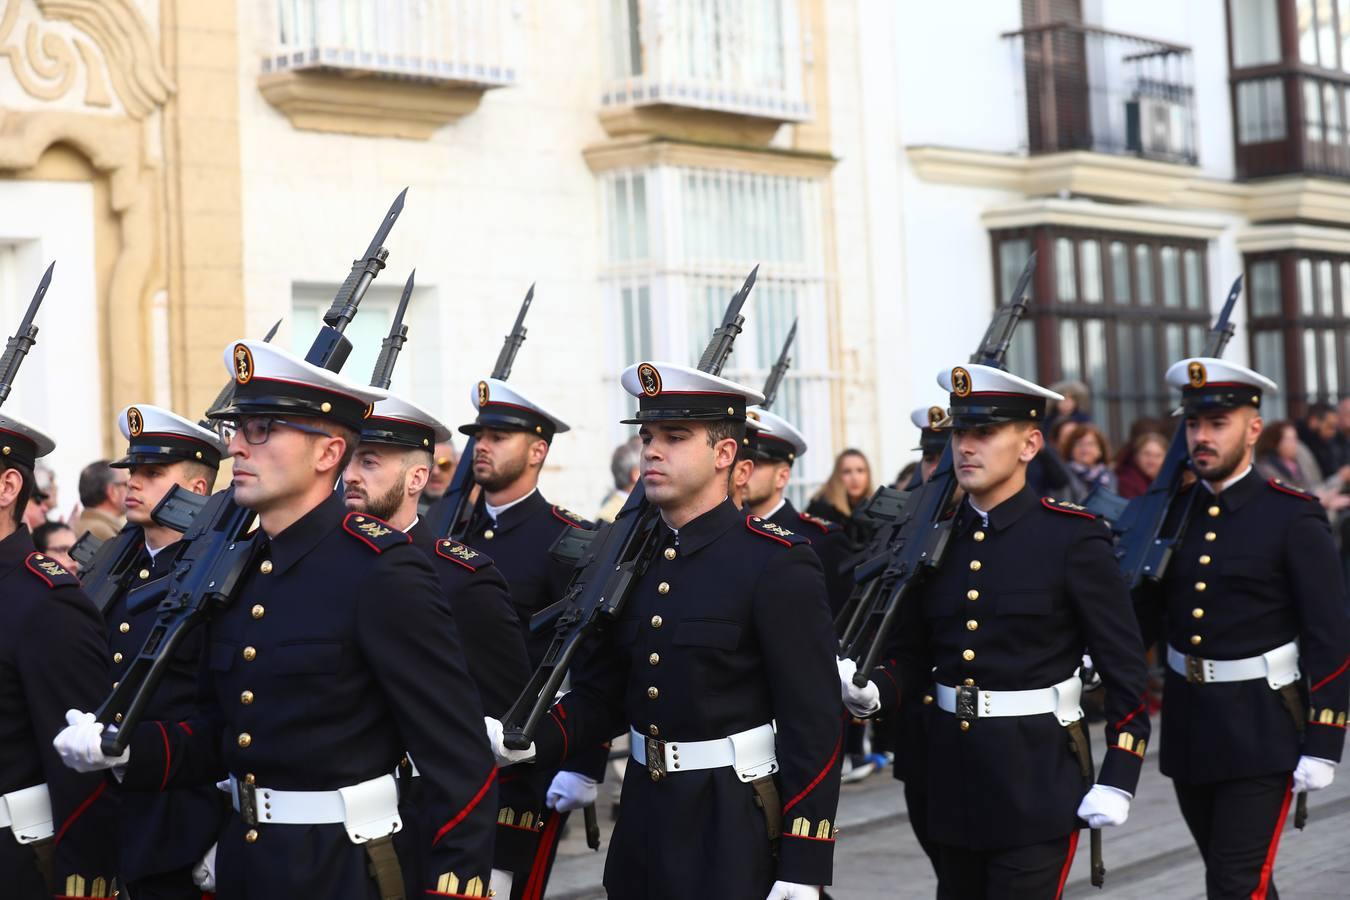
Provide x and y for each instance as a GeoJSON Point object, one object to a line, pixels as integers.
{"type": "Point", "coordinates": [1292, 490]}
{"type": "Point", "coordinates": [773, 531]}
{"type": "Point", "coordinates": [50, 571]}
{"type": "Point", "coordinates": [824, 525]}
{"type": "Point", "coordinates": [1066, 506]}
{"type": "Point", "coordinates": [376, 534]}
{"type": "Point", "coordinates": [571, 518]}
{"type": "Point", "coordinates": [466, 556]}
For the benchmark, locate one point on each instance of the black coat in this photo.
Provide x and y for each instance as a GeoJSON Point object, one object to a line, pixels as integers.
{"type": "Point", "coordinates": [1022, 597]}
{"type": "Point", "coordinates": [727, 630]}
{"type": "Point", "coordinates": [831, 544]}
{"type": "Point", "coordinates": [52, 658]}
{"type": "Point", "coordinates": [336, 657]}
{"type": "Point", "coordinates": [1270, 574]}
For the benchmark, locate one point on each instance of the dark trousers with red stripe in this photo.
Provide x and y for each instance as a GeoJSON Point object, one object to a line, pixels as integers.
{"type": "Point", "coordinates": [1033, 872]}
{"type": "Point", "coordinates": [1237, 826]}
{"type": "Point", "coordinates": [530, 885]}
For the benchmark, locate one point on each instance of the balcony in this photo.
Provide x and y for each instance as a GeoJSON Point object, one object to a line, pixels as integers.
{"type": "Point", "coordinates": [1291, 122]}
{"type": "Point", "coordinates": [402, 68]}
{"type": "Point", "coordinates": [720, 69]}
{"type": "Point", "coordinates": [1084, 88]}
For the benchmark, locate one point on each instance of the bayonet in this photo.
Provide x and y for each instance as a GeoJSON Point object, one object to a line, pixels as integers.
{"type": "Point", "coordinates": [23, 340]}
{"type": "Point", "coordinates": [393, 343]}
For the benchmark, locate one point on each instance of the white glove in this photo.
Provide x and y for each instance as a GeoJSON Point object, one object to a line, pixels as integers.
{"type": "Point", "coordinates": [1313, 773]}
{"type": "Point", "coordinates": [1105, 805]}
{"type": "Point", "coordinates": [204, 872]}
{"type": "Point", "coordinates": [786, 890]}
{"type": "Point", "coordinates": [79, 744]}
{"type": "Point", "coordinates": [569, 791]}
{"type": "Point", "coordinates": [500, 883]}
{"type": "Point", "coordinates": [505, 757]}
{"type": "Point", "coordinates": [861, 701]}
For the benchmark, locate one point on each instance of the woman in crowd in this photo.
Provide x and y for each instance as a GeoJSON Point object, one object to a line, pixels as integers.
{"type": "Point", "coordinates": [849, 486]}
{"type": "Point", "coordinates": [1085, 452]}
{"type": "Point", "coordinates": [1140, 464]}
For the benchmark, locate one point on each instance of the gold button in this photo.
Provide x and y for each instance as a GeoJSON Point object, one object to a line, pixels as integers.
{"type": "Point", "coordinates": [1196, 639]}
{"type": "Point", "coordinates": [325, 406]}
{"type": "Point", "coordinates": [1211, 536]}
{"type": "Point", "coordinates": [656, 621]}
{"type": "Point", "coordinates": [1213, 512]}
{"type": "Point", "coordinates": [245, 739]}
{"type": "Point", "coordinates": [489, 534]}
{"type": "Point", "coordinates": [124, 627]}
{"type": "Point", "coordinates": [144, 574]}
{"type": "Point", "coordinates": [1200, 586]}
{"type": "Point", "coordinates": [250, 654]}
{"type": "Point", "coordinates": [979, 536]}
{"type": "Point", "coordinates": [250, 836]}
{"type": "Point", "coordinates": [1197, 613]}
{"type": "Point", "coordinates": [653, 731]}
{"type": "Point", "coordinates": [1205, 560]}
{"type": "Point", "coordinates": [652, 693]}
{"type": "Point", "coordinates": [258, 610]}
{"type": "Point", "coordinates": [970, 682]}
{"type": "Point", "coordinates": [246, 697]}
{"type": "Point", "coordinates": [663, 587]}
{"type": "Point", "coordinates": [656, 776]}
{"type": "Point", "coordinates": [266, 567]}
{"type": "Point", "coordinates": [117, 657]}
{"type": "Point", "coordinates": [117, 717]}
{"type": "Point", "coordinates": [975, 565]}
{"type": "Point", "coordinates": [967, 655]}
{"type": "Point", "coordinates": [116, 685]}
{"type": "Point", "coordinates": [654, 658]}
{"type": "Point", "coordinates": [250, 778]}
{"type": "Point", "coordinates": [972, 594]}
{"type": "Point", "coordinates": [927, 699]}
{"type": "Point", "coordinates": [971, 625]}
{"type": "Point", "coordinates": [965, 726]}
{"type": "Point", "coordinates": [670, 553]}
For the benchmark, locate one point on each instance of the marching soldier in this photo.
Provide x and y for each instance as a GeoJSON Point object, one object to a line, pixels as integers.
{"type": "Point", "coordinates": [52, 658]}
{"type": "Point", "coordinates": [726, 633]}
{"type": "Point", "coordinates": [517, 527]}
{"type": "Point", "coordinates": [992, 642]}
{"type": "Point", "coordinates": [338, 655]}
{"type": "Point", "coordinates": [933, 437]}
{"type": "Point", "coordinates": [1252, 607]}
{"type": "Point", "coordinates": [162, 835]}
{"type": "Point", "coordinates": [385, 479]}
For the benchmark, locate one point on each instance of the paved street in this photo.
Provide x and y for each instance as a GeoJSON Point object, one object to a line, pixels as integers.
{"type": "Point", "coordinates": [1150, 858]}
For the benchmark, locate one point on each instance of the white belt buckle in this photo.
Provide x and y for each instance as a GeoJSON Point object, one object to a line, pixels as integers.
{"type": "Point", "coordinates": [30, 814]}
{"type": "Point", "coordinates": [370, 809]}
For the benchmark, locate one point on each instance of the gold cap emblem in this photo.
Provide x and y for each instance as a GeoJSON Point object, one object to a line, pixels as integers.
{"type": "Point", "coordinates": [960, 382]}
{"type": "Point", "coordinates": [243, 364]}
{"type": "Point", "coordinates": [936, 414]}
{"type": "Point", "coordinates": [483, 393]}
{"type": "Point", "coordinates": [650, 379]}
{"type": "Point", "coordinates": [135, 424]}
{"type": "Point", "coordinates": [1196, 373]}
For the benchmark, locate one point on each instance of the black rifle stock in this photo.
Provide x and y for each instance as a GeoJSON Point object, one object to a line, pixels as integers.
{"type": "Point", "coordinates": [614, 560]}
{"type": "Point", "coordinates": [218, 550]}
{"type": "Point", "coordinates": [450, 516]}
{"type": "Point", "coordinates": [1141, 547]}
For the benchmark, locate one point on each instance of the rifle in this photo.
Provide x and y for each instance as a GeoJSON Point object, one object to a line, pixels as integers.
{"type": "Point", "coordinates": [393, 343]}
{"type": "Point", "coordinates": [218, 551]}
{"type": "Point", "coordinates": [779, 369]}
{"type": "Point", "coordinates": [1141, 547]}
{"type": "Point", "coordinates": [449, 517]}
{"type": "Point", "coordinates": [18, 345]}
{"type": "Point", "coordinates": [110, 564]}
{"type": "Point", "coordinates": [914, 538]}
{"type": "Point", "coordinates": [614, 561]}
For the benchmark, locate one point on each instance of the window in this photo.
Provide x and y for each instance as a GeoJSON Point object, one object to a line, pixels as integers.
{"type": "Point", "coordinates": [1118, 310]}
{"type": "Point", "coordinates": [1299, 319]}
{"type": "Point", "coordinates": [1256, 32]}
{"type": "Point", "coordinates": [680, 242]}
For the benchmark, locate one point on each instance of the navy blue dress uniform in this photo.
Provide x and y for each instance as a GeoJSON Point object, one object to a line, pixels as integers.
{"type": "Point", "coordinates": [338, 655]}
{"type": "Point", "coordinates": [991, 642]}
{"type": "Point", "coordinates": [519, 538]}
{"type": "Point", "coordinates": [162, 835]}
{"type": "Point", "coordinates": [55, 825]}
{"type": "Point", "coordinates": [726, 635]}
{"type": "Point", "coordinates": [1252, 606]}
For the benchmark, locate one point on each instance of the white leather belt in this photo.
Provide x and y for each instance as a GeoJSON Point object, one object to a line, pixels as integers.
{"type": "Point", "coordinates": [751, 753]}
{"type": "Point", "coordinates": [367, 810]}
{"type": "Point", "coordinates": [27, 813]}
{"type": "Point", "coordinates": [1278, 667]}
{"type": "Point", "coordinates": [968, 703]}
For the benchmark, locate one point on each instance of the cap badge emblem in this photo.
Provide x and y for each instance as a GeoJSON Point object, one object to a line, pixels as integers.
{"type": "Point", "coordinates": [935, 415]}
{"type": "Point", "coordinates": [482, 394]}
{"type": "Point", "coordinates": [135, 423]}
{"type": "Point", "coordinates": [243, 364]}
{"type": "Point", "coordinates": [1196, 373]}
{"type": "Point", "coordinates": [650, 379]}
{"type": "Point", "coordinates": [960, 382]}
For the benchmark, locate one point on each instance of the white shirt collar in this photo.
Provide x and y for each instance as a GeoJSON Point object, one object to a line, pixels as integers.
{"type": "Point", "coordinates": [1229, 483]}
{"type": "Point", "coordinates": [495, 511]}
{"type": "Point", "coordinates": [412, 524]}
{"type": "Point", "coordinates": [984, 516]}
{"type": "Point", "coordinates": [773, 512]}
{"type": "Point", "coordinates": [153, 551]}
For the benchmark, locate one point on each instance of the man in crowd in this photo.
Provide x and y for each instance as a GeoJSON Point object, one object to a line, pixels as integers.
{"type": "Point", "coordinates": [623, 467]}
{"type": "Point", "coordinates": [103, 493]}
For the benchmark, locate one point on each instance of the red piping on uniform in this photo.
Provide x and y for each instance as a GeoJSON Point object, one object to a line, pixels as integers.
{"type": "Point", "coordinates": [751, 526]}
{"type": "Point", "coordinates": [1284, 489]}
{"type": "Point", "coordinates": [829, 767]}
{"type": "Point", "coordinates": [1123, 722]}
{"type": "Point", "coordinates": [558, 722]}
{"type": "Point", "coordinates": [517, 827]}
{"type": "Point", "coordinates": [1068, 863]}
{"type": "Point", "coordinates": [79, 811]}
{"type": "Point", "coordinates": [807, 837]}
{"type": "Point", "coordinates": [1123, 750]}
{"type": "Point", "coordinates": [534, 887]}
{"type": "Point", "coordinates": [38, 572]}
{"type": "Point", "coordinates": [168, 755]}
{"type": "Point", "coordinates": [1268, 866]}
{"type": "Point", "coordinates": [186, 727]}
{"type": "Point", "coordinates": [453, 558]}
{"type": "Point", "coordinates": [1323, 682]}
{"type": "Point", "coordinates": [1073, 512]}
{"type": "Point", "coordinates": [459, 817]}
{"type": "Point", "coordinates": [554, 510]}
{"type": "Point", "coordinates": [886, 672]}
{"type": "Point", "coordinates": [1328, 725]}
